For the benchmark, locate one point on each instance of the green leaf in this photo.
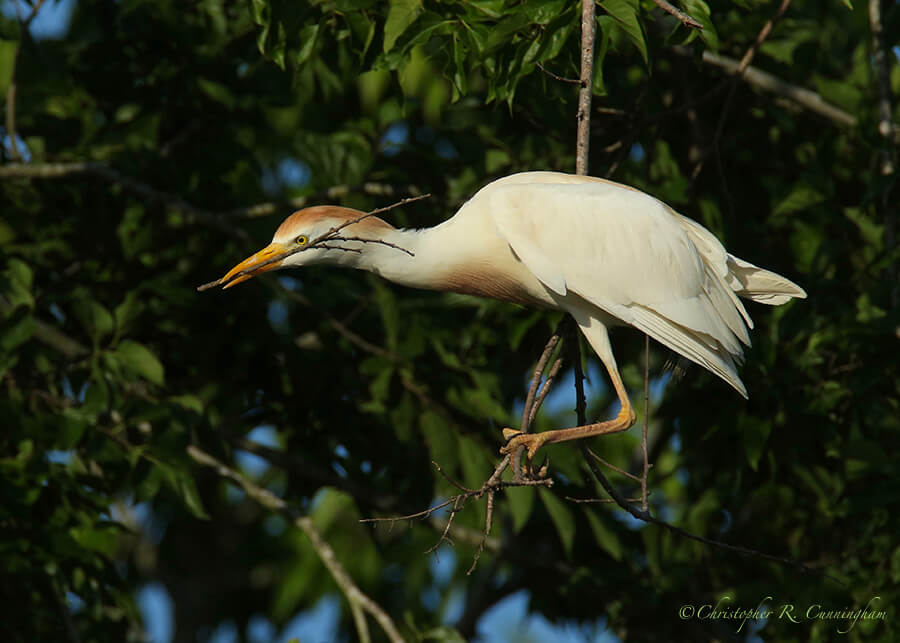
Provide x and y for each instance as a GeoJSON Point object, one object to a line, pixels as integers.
{"type": "Point", "coordinates": [605, 26]}
{"type": "Point", "coordinates": [96, 538]}
{"type": "Point", "coordinates": [625, 13]}
{"type": "Point", "coordinates": [561, 516]}
{"type": "Point", "coordinates": [521, 503]}
{"type": "Point", "coordinates": [400, 16]}
{"type": "Point", "coordinates": [126, 312]}
{"type": "Point", "coordinates": [541, 12]}
{"type": "Point", "coordinates": [15, 284]}
{"type": "Point", "coordinates": [848, 4]}
{"type": "Point", "coordinates": [308, 36]}
{"type": "Point", "coordinates": [699, 11]}
{"type": "Point", "coordinates": [442, 633]}
{"type": "Point", "coordinates": [7, 63]}
{"type": "Point", "coordinates": [94, 318]}
{"type": "Point", "coordinates": [390, 315]}
{"type": "Point", "coordinates": [475, 460]}
{"type": "Point", "coordinates": [604, 536]}
{"type": "Point", "coordinates": [802, 197]}
{"type": "Point", "coordinates": [138, 359]}
{"type": "Point", "coordinates": [16, 330]}
{"type": "Point", "coordinates": [183, 484]}
{"type": "Point", "coordinates": [441, 440]}
{"type": "Point", "coordinates": [217, 92]}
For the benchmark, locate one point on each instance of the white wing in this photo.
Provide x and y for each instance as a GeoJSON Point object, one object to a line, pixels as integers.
{"type": "Point", "coordinates": [630, 255]}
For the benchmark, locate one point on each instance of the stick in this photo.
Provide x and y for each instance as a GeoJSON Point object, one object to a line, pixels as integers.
{"type": "Point", "coordinates": [685, 19]}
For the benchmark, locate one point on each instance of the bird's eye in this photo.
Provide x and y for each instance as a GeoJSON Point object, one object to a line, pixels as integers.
{"type": "Point", "coordinates": [302, 240]}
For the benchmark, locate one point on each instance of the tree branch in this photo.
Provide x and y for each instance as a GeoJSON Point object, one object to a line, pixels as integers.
{"type": "Point", "coordinates": [359, 602]}
{"type": "Point", "coordinates": [586, 93]}
{"type": "Point", "coordinates": [887, 162]}
{"type": "Point", "coordinates": [760, 38]}
{"type": "Point", "coordinates": [765, 81]}
{"type": "Point", "coordinates": [685, 19]}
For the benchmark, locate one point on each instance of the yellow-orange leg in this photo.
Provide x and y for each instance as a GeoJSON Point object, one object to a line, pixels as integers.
{"type": "Point", "coordinates": [534, 441]}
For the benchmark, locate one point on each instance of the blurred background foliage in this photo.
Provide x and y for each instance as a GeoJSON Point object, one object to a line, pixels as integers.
{"type": "Point", "coordinates": [148, 146]}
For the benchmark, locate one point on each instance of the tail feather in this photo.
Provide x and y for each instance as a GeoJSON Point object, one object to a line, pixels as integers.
{"type": "Point", "coordinates": [761, 285]}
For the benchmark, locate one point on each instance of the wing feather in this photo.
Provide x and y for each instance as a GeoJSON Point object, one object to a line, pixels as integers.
{"type": "Point", "coordinates": [630, 255]}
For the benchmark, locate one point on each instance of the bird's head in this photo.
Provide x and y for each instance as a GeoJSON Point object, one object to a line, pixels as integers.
{"type": "Point", "coordinates": [321, 234]}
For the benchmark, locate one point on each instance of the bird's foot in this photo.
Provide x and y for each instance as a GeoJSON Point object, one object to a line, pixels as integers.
{"type": "Point", "coordinates": [516, 441]}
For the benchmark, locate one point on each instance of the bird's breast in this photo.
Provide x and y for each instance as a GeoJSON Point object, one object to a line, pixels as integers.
{"type": "Point", "coordinates": [483, 280]}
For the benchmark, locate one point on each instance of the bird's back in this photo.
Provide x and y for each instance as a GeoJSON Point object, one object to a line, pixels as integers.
{"type": "Point", "coordinates": [598, 243]}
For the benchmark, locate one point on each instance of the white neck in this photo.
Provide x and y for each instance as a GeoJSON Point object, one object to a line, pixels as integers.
{"type": "Point", "coordinates": [414, 258]}
{"type": "Point", "coordinates": [462, 255]}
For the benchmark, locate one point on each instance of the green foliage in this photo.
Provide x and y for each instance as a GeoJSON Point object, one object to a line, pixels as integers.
{"type": "Point", "coordinates": [111, 364]}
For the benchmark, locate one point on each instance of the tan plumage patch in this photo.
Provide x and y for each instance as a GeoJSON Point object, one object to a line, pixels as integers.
{"type": "Point", "coordinates": [301, 220]}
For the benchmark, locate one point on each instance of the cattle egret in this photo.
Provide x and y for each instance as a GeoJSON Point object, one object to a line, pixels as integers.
{"type": "Point", "coordinates": [605, 253]}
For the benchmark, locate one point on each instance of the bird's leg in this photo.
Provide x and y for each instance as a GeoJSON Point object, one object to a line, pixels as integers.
{"type": "Point", "coordinates": [534, 441]}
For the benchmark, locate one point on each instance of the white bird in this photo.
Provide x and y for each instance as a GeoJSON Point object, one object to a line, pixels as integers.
{"type": "Point", "coordinates": [603, 252]}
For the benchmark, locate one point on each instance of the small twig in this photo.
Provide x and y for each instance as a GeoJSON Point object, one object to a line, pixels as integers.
{"type": "Point", "coordinates": [536, 395]}
{"type": "Point", "coordinates": [597, 501]}
{"type": "Point", "coordinates": [359, 601]}
{"type": "Point", "coordinates": [443, 538]}
{"type": "Point", "coordinates": [536, 379]}
{"type": "Point", "coordinates": [738, 72]}
{"type": "Point", "coordinates": [320, 242]}
{"type": "Point", "coordinates": [451, 480]}
{"type": "Point", "coordinates": [378, 241]}
{"type": "Point", "coordinates": [425, 513]}
{"type": "Point", "coordinates": [488, 521]}
{"type": "Point", "coordinates": [562, 79]}
{"type": "Point", "coordinates": [610, 465]}
{"type": "Point", "coordinates": [760, 38]}
{"type": "Point", "coordinates": [545, 389]}
{"type": "Point", "coordinates": [685, 19]}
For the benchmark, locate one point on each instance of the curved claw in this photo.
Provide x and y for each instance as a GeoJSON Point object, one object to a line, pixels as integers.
{"type": "Point", "coordinates": [515, 440]}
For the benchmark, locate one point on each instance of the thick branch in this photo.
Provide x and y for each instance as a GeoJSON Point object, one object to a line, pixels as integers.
{"type": "Point", "coordinates": [359, 602]}
{"type": "Point", "coordinates": [586, 93]}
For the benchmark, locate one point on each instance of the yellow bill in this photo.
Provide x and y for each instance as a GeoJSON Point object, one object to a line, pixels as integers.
{"type": "Point", "coordinates": [250, 263]}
